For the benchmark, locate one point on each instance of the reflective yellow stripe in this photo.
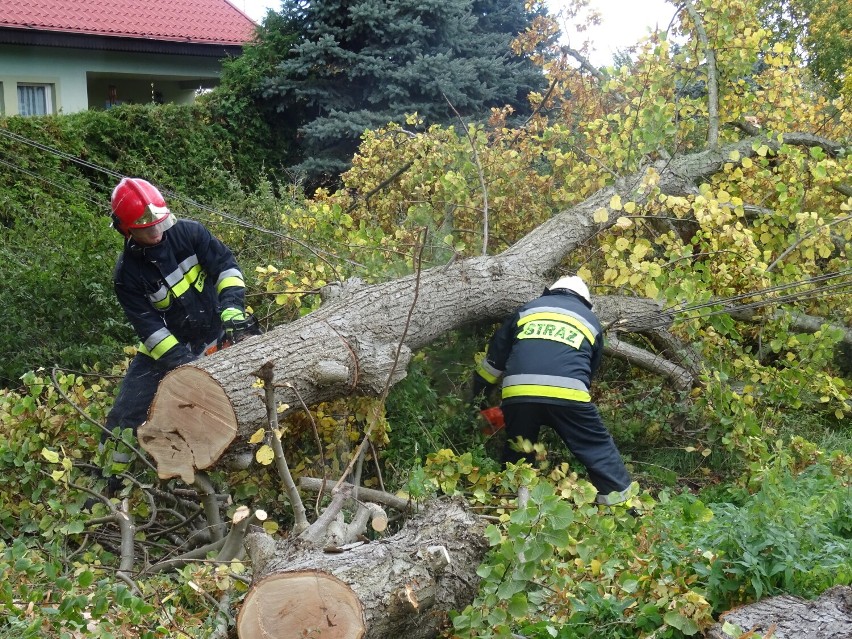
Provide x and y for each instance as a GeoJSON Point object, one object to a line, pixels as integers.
{"type": "Point", "coordinates": [180, 287]}
{"type": "Point", "coordinates": [554, 331]}
{"type": "Point", "coordinates": [230, 281]}
{"type": "Point", "coordinates": [559, 317]}
{"type": "Point", "coordinates": [160, 349]}
{"type": "Point", "coordinates": [534, 390]}
{"type": "Point", "coordinates": [488, 377]}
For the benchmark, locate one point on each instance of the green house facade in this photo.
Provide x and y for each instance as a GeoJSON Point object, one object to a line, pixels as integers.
{"type": "Point", "coordinates": [63, 56]}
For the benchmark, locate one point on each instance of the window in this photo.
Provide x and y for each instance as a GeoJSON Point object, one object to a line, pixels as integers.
{"type": "Point", "coordinates": [35, 99]}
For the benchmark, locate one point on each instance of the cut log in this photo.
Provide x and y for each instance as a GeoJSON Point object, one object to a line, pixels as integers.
{"type": "Point", "coordinates": [789, 617]}
{"type": "Point", "coordinates": [302, 604]}
{"type": "Point", "coordinates": [404, 585]}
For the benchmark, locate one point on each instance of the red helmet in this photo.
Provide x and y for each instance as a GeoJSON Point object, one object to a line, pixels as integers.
{"type": "Point", "coordinates": [136, 203]}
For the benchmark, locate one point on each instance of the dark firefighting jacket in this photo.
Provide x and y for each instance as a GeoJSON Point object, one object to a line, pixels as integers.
{"type": "Point", "coordinates": [547, 352]}
{"type": "Point", "coordinates": [173, 292]}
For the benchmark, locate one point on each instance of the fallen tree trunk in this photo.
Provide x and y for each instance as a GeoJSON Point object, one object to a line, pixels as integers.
{"type": "Point", "coordinates": [361, 342]}
{"type": "Point", "coordinates": [788, 617]}
{"type": "Point", "coordinates": [402, 586]}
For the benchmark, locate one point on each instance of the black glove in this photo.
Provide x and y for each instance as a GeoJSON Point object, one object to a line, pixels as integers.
{"type": "Point", "coordinates": [238, 325]}
{"type": "Point", "coordinates": [480, 390]}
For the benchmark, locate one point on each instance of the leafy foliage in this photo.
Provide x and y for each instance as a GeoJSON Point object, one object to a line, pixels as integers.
{"type": "Point", "coordinates": [56, 246]}
{"type": "Point", "coordinates": [821, 29]}
{"type": "Point", "coordinates": [560, 566]}
{"type": "Point", "coordinates": [738, 503]}
{"type": "Point", "coordinates": [264, 140]}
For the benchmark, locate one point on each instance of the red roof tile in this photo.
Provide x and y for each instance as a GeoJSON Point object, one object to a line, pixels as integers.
{"type": "Point", "coordinates": [200, 21]}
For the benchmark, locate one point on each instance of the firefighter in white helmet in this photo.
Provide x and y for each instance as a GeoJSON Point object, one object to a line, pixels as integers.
{"type": "Point", "coordinates": [546, 354]}
{"type": "Point", "coordinates": [181, 290]}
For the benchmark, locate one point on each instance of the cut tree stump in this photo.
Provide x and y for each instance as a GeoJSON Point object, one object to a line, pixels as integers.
{"type": "Point", "coordinates": [401, 586]}
{"type": "Point", "coordinates": [306, 603]}
{"type": "Point", "coordinates": [789, 617]}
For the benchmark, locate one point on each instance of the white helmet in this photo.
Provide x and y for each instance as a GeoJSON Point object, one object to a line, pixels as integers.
{"type": "Point", "coordinates": [575, 284]}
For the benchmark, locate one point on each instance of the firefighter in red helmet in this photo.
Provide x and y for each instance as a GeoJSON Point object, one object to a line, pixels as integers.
{"type": "Point", "coordinates": [181, 290]}
{"type": "Point", "coordinates": [137, 204]}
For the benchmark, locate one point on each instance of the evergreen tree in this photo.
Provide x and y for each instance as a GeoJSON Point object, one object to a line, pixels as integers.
{"type": "Point", "coordinates": [364, 63]}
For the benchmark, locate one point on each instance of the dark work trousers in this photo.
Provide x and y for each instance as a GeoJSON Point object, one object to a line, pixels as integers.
{"type": "Point", "coordinates": [137, 392]}
{"type": "Point", "coordinates": [580, 426]}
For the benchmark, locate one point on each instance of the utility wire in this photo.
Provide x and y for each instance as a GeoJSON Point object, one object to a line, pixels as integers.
{"type": "Point", "coordinates": [770, 289]}
{"type": "Point", "coordinates": [319, 253]}
{"type": "Point", "coordinates": [322, 254]}
{"type": "Point", "coordinates": [792, 297]}
{"type": "Point", "coordinates": [43, 179]}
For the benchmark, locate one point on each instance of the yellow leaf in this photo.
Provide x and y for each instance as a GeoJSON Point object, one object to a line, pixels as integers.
{"type": "Point", "coordinates": [615, 202]}
{"type": "Point", "coordinates": [838, 414]}
{"type": "Point", "coordinates": [49, 455]}
{"type": "Point", "coordinates": [595, 565]}
{"type": "Point", "coordinates": [735, 155]}
{"type": "Point", "coordinates": [601, 215]}
{"type": "Point", "coordinates": [258, 436]}
{"type": "Point", "coordinates": [270, 527]}
{"type": "Point", "coordinates": [264, 455]}
{"type": "Point", "coordinates": [629, 207]}
{"type": "Point", "coordinates": [57, 475]}
{"type": "Point", "coordinates": [706, 452]}
{"type": "Point", "coordinates": [651, 290]}
{"type": "Point", "coordinates": [624, 222]}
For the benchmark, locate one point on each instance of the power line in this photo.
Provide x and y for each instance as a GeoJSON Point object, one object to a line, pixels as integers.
{"type": "Point", "coordinates": [792, 297]}
{"type": "Point", "coordinates": [769, 289]}
{"type": "Point", "coordinates": [319, 253]}
{"type": "Point", "coordinates": [322, 254]}
{"type": "Point", "coordinates": [50, 182]}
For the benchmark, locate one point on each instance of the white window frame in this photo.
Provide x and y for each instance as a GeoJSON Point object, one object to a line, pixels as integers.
{"type": "Point", "coordinates": [47, 94]}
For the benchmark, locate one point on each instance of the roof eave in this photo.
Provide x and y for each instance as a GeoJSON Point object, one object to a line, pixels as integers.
{"type": "Point", "coordinates": [122, 44]}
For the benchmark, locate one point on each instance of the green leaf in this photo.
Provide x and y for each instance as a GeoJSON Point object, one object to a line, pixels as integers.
{"type": "Point", "coordinates": [85, 579]}
{"type": "Point", "coordinates": [76, 527]}
{"type": "Point", "coordinates": [492, 534]}
{"type": "Point", "coordinates": [518, 605]}
{"type": "Point", "coordinates": [676, 620]}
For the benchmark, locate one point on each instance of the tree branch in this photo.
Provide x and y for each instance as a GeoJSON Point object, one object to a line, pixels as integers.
{"type": "Point", "coordinates": [712, 80]}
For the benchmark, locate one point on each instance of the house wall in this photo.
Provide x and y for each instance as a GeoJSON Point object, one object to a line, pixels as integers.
{"type": "Point", "coordinates": [81, 79]}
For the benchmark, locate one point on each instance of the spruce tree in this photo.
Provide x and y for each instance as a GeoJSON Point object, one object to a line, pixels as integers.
{"type": "Point", "coordinates": [364, 63]}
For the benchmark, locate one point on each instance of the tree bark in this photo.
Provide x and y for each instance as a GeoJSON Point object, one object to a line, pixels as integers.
{"type": "Point", "coordinates": [788, 617]}
{"type": "Point", "coordinates": [402, 586]}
